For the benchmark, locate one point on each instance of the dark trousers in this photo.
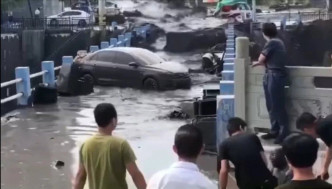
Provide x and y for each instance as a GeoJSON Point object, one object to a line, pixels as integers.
{"type": "Point", "coordinates": [274, 89]}
{"type": "Point", "coordinates": [270, 183]}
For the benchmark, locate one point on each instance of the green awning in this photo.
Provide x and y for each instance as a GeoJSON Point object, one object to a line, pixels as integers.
{"type": "Point", "coordinates": [229, 3]}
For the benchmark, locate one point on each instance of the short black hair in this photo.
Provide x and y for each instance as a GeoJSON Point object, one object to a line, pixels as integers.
{"type": "Point", "coordinates": [104, 113]}
{"type": "Point", "coordinates": [270, 30]}
{"type": "Point", "coordinates": [300, 149]}
{"type": "Point", "coordinates": [305, 120]}
{"type": "Point", "coordinates": [235, 124]}
{"type": "Point", "coordinates": [188, 141]}
{"type": "Point", "coordinates": [324, 130]}
{"type": "Point", "coordinates": [278, 160]}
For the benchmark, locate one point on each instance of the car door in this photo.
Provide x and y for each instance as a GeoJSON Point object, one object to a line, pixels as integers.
{"type": "Point", "coordinates": [76, 16]}
{"type": "Point", "coordinates": [126, 75]}
{"type": "Point", "coordinates": [65, 18]}
{"type": "Point", "coordinates": [105, 68]}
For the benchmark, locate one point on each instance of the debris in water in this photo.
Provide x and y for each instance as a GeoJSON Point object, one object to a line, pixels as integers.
{"type": "Point", "coordinates": [178, 114]}
{"type": "Point", "coordinates": [59, 164]}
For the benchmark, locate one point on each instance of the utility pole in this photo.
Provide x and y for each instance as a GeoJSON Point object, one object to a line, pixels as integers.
{"type": "Point", "coordinates": [101, 13]}
{"type": "Point", "coordinates": [30, 9]}
{"type": "Point", "coordinates": [254, 10]}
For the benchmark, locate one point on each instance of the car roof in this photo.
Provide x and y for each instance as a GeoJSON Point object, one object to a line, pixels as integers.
{"type": "Point", "coordinates": [74, 10]}
{"type": "Point", "coordinates": [129, 50]}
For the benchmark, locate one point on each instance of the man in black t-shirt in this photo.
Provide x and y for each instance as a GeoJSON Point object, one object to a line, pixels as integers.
{"type": "Point", "coordinates": [309, 124]}
{"type": "Point", "coordinates": [273, 58]}
{"type": "Point", "coordinates": [301, 153]}
{"type": "Point", "coordinates": [245, 151]}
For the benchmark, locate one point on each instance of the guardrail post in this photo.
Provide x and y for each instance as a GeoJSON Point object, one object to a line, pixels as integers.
{"type": "Point", "coordinates": [121, 38]}
{"type": "Point", "coordinates": [114, 25]}
{"type": "Point", "coordinates": [49, 76]}
{"type": "Point", "coordinates": [228, 75]}
{"type": "Point", "coordinates": [128, 39]}
{"type": "Point", "coordinates": [104, 45]}
{"type": "Point", "coordinates": [24, 86]}
{"type": "Point", "coordinates": [225, 111]}
{"type": "Point", "coordinates": [94, 48]}
{"type": "Point", "coordinates": [226, 87]}
{"type": "Point", "coordinates": [114, 42]}
{"type": "Point", "coordinates": [67, 60]}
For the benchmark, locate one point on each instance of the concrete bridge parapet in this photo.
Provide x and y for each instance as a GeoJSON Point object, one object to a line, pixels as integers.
{"type": "Point", "coordinates": [309, 90]}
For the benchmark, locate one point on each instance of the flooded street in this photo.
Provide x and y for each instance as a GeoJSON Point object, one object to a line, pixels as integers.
{"type": "Point", "coordinates": [39, 136]}
{"type": "Point", "coordinates": [33, 139]}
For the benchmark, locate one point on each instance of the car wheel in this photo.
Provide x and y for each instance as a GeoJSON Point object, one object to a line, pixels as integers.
{"type": "Point", "coordinates": [81, 23]}
{"type": "Point", "coordinates": [151, 84]}
{"type": "Point", "coordinates": [86, 84]}
{"type": "Point", "coordinates": [54, 23]}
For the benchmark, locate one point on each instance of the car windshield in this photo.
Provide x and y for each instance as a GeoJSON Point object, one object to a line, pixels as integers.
{"type": "Point", "coordinates": [149, 58]}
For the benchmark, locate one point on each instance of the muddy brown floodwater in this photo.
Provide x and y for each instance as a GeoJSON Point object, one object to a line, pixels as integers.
{"type": "Point", "coordinates": [35, 138]}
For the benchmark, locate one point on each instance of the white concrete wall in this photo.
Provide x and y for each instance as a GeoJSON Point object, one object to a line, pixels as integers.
{"type": "Point", "coordinates": [302, 95]}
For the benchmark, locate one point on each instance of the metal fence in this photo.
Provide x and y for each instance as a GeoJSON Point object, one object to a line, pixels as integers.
{"type": "Point", "coordinates": [19, 24]}
{"type": "Point", "coordinates": [304, 16]}
{"type": "Point", "coordinates": [23, 77]}
{"type": "Point", "coordinates": [294, 16]}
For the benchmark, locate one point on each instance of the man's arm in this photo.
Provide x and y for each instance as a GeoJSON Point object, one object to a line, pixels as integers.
{"type": "Point", "coordinates": [261, 61]}
{"type": "Point", "coordinates": [80, 177]}
{"type": "Point", "coordinates": [136, 175]}
{"type": "Point", "coordinates": [223, 175]}
{"type": "Point", "coordinates": [327, 162]}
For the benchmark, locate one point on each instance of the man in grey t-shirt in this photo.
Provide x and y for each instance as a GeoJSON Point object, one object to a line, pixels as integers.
{"type": "Point", "coordinates": [273, 57]}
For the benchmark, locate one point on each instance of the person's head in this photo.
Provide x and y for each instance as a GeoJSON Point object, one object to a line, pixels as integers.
{"type": "Point", "coordinates": [324, 129]}
{"type": "Point", "coordinates": [278, 160]}
{"type": "Point", "coordinates": [105, 116]}
{"type": "Point", "coordinates": [270, 30]}
{"type": "Point", "coordinates": [300, 150]}
{"type": "Point", "coordinates": [307, 123]}
{"type": "Point", "coordinates": [188, 142]}
{"type": "Point", "coordinates": [236, 124]}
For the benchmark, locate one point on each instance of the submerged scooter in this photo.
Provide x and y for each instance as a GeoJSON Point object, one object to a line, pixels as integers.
{"type": "Point", "coordinates": [212, 61]}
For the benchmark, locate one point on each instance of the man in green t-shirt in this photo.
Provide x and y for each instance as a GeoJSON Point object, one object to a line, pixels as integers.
{"type": "Point", "coordinates": [104, 158]}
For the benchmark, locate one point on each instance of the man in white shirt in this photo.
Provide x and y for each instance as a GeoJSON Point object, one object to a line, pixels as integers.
{"type": "Point", "coordinates": [37, 13]}
{"type": "Point", "coordinates": [184, 174]}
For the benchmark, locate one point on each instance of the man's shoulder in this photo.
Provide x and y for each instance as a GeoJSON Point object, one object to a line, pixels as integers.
{"type": "Point", "coordinates": [113, 139]}
{"type": "Point", "coordinates": [156, 178]}
{"type": "Point", "coordinates": [206, 181]}
{"type": "Point", "coordinates": [276, 41]}
{"type": "Point", "coordinates": [169, 175]}
{"type": "Point", "coordinates": [317, 183]}
{"type": "Point", "coordinates": [285, 186]}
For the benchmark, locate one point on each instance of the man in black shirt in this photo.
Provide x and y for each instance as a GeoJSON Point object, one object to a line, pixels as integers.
{"type": "Point", "coordinates": [309, 124]}
{"type": "Point", "coordinates": [273, 58]}
{"type": "Point", "coordinates": [245, 151]}
{"type": "Point", "coordinates": [301, 153]}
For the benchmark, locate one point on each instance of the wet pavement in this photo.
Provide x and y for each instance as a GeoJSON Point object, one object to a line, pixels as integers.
{"type": "Point", "coordinates": [35, 138]}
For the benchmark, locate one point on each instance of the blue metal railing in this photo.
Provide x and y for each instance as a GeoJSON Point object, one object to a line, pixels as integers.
{"type": "Point", "coordinates": [225, 101]}
{"type": "Point", "coordinates": [23, 77]}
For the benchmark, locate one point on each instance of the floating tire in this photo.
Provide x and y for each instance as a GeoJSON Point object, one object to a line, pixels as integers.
{"type": "Point", "coordinates": [86, 84]}
{"type": "Point", "coordinates": [151, 84]}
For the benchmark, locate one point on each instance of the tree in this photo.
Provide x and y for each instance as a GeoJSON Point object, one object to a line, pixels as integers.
{"type": "Point", "coordinates": [7, 5]}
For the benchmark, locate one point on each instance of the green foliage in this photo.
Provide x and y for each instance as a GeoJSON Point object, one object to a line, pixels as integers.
{"type": "Point", "coordinates": [7, 5]}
